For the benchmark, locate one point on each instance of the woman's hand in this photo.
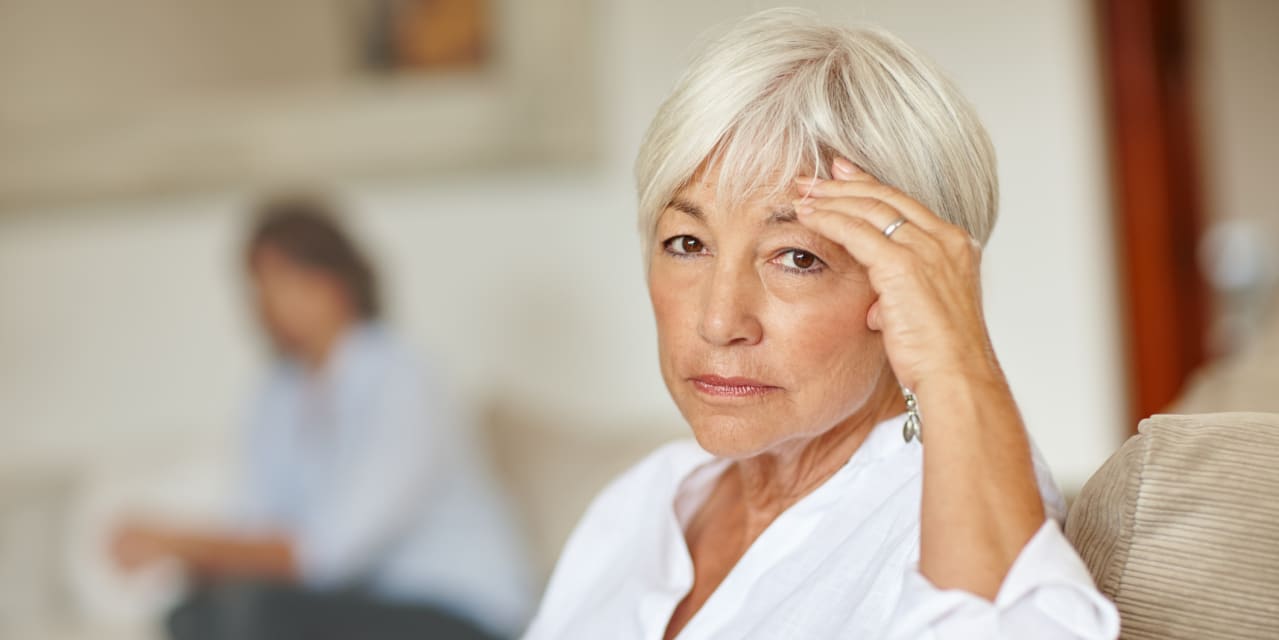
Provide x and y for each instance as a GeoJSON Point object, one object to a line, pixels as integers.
{"type": "Point", "coordinates": [980, 500]}
{"type": "Point", "coordinates": [135, 545]}
{"type": "Point", "coordinates": [927, 274]}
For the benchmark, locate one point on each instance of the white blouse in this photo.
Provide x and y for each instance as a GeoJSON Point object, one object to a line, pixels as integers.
{"type": "Point", "coordinates": [840, 563]}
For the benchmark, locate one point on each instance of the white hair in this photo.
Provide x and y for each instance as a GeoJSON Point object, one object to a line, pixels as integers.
{"type": "Point", "coordinates": [780, 94]}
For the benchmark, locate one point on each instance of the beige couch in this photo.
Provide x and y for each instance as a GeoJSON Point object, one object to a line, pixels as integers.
{"type": "Point", "coordinates": [1180, 528]}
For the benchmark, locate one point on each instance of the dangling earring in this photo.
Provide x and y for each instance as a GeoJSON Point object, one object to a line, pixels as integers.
{"type": "Point", "coordinates": [913, 427]}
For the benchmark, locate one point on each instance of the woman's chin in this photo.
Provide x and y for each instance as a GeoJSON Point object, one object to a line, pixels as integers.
{"type": "Point", "coordinates": [734, 437]}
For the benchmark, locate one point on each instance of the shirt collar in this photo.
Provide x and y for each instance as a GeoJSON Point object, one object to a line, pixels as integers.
{"type": "Point", "coordinates": [346, 354]}
{"type": "Point", "coordinates": [356, 341]}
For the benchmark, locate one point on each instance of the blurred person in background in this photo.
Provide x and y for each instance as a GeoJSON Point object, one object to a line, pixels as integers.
{"type": "Point", "coordinates": [367, 513]}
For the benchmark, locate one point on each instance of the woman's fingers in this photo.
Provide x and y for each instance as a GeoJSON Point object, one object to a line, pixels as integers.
{"type": "Point", "coordinates": [851, 181]}
{"type": "Point", "coordinates": [872, 317]}
{"type": "Point", "coordinates": [844, 169]}
{"type": "Point", "coordinates": [852, 186]}
{"type": "Point", "coordinates": [908, 207]}
{"type": "Point", "coordinates": [878, 213]}
{"type": "Point", "coordinates": [862, 239]}
{"type": "Point", "coordinates": [857, 196]}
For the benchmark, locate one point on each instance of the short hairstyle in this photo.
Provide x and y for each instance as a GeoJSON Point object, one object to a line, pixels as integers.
{"type": "Point", "coordinates": [306, 231]}
{"type": "Point", "coordinates": [780, 94]}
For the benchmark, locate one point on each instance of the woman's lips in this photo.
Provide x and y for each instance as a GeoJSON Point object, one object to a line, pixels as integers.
{"type": "Point", "coordinates": [730, 387]}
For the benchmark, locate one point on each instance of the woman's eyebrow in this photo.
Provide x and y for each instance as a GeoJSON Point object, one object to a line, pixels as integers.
{"type": "Point", "coordinates": [782, 214]}
{"type": "Point", "coordinates": [688, 207]}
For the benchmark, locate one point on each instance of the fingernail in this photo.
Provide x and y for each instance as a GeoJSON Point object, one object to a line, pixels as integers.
{"type": "Point", "coordinates": [809, 187]}
{"type": "Point", "coordinates": [843, 165]}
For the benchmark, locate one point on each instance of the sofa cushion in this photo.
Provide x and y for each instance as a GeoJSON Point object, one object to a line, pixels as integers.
{"type": "Point", "coordinates": [1181, 527]}
{"type": "Point", "coordinates": [552, 464]}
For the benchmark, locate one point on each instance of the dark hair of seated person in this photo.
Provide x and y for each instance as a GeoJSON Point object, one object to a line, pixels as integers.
{"type": "Point", "coordinates": [305, 230]}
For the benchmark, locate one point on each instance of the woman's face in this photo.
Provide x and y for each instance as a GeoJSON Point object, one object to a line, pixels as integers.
{"type": "Point", "coordinates": [294, 303]}
{"type": "Point", "coordinates": [761, 324]}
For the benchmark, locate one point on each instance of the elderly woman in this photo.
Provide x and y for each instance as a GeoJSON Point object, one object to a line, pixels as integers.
{"type": "Point", "coordinates": [813, 202]}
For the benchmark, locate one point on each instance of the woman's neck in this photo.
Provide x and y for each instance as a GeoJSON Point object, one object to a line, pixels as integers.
{"type": "Point", "coordinates": [769, 483]}
{"type": "Point", "coordinates": [756, 490]}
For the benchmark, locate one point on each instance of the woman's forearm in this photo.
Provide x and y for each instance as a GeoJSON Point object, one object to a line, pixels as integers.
{"type": "Point", "coordinates": [268, 557]}
{"type": "Point", "coordinates": [981, 502]}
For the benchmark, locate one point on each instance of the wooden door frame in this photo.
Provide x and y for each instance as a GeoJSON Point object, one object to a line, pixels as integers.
{"type": "Point", "coordinates": [1149, 101]}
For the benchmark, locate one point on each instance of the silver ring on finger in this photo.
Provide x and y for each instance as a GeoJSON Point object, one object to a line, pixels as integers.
{"type": "Point", "coordinates": [894, 226]}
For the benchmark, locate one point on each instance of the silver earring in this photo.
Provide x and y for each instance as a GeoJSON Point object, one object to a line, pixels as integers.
{"type": "Point", "coordinates": [913, 427]}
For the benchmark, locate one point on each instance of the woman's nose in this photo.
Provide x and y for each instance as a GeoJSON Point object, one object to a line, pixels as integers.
{"type": "Point", "coordinates": [729, 309]}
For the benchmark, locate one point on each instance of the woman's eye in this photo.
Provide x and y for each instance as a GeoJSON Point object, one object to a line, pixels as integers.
{"type": "Point", "coordinates": [799, 260]}
{"type": "Point", "coordinates": [684, 245]}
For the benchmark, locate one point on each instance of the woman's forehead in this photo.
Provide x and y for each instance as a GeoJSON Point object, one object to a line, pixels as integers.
{"type": "Point", "coordinates": [738, 173]}
{"type": "Point", "coordinates": [762, 210]}
{"type": "Point", "coordinates": [707, 197]}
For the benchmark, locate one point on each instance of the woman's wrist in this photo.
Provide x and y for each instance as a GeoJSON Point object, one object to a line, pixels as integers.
{"type": "Point", "coordinates": [976, 374]}
{"type": "Point", "coordinates": [977, 395]}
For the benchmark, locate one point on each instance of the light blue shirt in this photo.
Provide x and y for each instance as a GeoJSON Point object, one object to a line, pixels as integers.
{"type": "Point", "coordinates": [366, 467]}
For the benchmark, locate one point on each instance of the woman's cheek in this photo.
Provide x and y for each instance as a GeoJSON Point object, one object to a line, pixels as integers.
{"type": "Point", "coordinates": [668, 294]}
{"type": "Point", "coordinates": [792, 288]}
{"type": "Point", "coordinates": [827, 333]}
{"type": "Point", "coordinates": [672, 292]}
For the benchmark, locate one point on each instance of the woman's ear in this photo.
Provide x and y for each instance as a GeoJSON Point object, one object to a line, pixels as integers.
{"type": "Point", "coordinates": [872, 316]}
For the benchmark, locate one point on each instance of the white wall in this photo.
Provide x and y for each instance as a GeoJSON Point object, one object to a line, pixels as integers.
{"type": "Point", "coordinates": [1237, 42]}
{"type": "Point", "coordinates": [1236, 90]}
{"type": "Point", "coordinates": [123, 318]}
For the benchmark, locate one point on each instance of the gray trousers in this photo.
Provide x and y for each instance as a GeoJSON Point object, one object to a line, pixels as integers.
{"type": "Point", "coordinates": [263, 611]}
